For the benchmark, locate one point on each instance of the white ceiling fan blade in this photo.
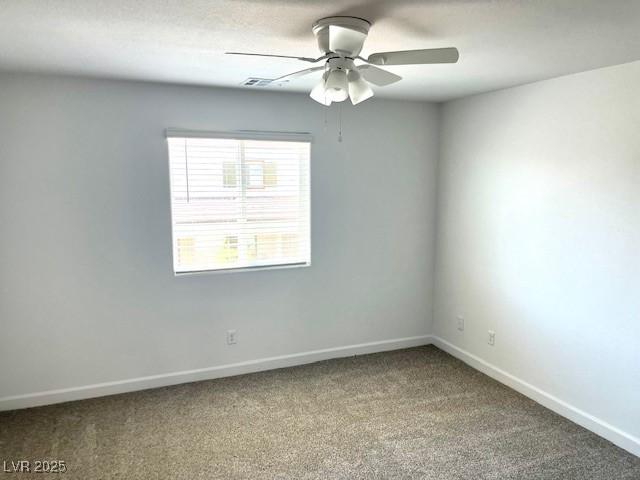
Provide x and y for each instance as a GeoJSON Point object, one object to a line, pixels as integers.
{"type": "Point", "coordinates": [415, 57]}
{"type": "Point", "coordinates": [345, 40]}
{"type": "Point", "coordinates": [304, 59]}
{"type": "Point", "coordinates": [298, 74]}
{"type": "Point", "coordinates": [359, 89]}
{"type": "Point", "coordinates": [378, 76]}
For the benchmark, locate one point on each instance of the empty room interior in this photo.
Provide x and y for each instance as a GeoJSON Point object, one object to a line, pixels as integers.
{"type": "Point", "coordinates": [320, 239]}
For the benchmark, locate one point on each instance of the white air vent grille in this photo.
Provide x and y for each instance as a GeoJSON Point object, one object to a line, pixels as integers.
{"type": "Point", "coordinates": [256, 82]}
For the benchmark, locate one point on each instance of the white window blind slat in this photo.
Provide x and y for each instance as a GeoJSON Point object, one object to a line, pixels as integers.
{"type": "Point", "coordinates": [239, 202]}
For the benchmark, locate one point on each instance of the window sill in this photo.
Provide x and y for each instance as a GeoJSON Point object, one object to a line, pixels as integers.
{"type": "Point", "coordinates": [241, 269]}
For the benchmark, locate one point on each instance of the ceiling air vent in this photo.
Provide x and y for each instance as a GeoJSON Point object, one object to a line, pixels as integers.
{"type": "Point", "coordinates": [256, 82]}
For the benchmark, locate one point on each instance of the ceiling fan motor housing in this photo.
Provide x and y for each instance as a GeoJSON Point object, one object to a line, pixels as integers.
{"type": "Point", "coordinates": [322, 27]}
{"type": "Point", "coordinates": [339, 63]}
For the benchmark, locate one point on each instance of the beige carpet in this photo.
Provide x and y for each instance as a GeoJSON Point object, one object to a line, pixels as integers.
{"type": "Point", "coordinates": [416, 413]}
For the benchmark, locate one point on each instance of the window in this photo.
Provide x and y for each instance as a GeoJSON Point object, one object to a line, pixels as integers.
{"type": "Point", "coordinates": [230, 177]}
{"type": "Point", "coordinates": [239, 203]}
{"type": "Point", "coordinates": [256, 175]}
{"type": "Point", "coordinates": [269, 174]}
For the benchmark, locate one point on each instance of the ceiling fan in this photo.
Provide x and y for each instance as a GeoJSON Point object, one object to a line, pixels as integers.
{"type": "Point", "coordinates": [340, 40]}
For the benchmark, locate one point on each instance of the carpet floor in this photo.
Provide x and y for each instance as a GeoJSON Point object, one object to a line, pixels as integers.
{"type": "Point", "coordinates": [415, 413]}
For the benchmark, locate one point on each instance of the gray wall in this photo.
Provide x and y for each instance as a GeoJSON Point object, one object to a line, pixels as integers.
{"type": "Point", "coordinates": [87, 292]}
{"type": "Point", "coordinates": [539, 236]}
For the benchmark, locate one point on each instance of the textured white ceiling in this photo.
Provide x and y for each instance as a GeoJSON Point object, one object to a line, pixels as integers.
{"type": "Point", "coordinates": [502, 42]}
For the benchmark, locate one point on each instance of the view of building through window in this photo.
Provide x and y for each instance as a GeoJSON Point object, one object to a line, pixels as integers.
{"type": "Point", "coordinates": [239, 203]}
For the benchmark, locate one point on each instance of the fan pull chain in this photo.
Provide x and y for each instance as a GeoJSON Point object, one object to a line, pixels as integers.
{"type": "Point", "coordinates": [340, 123]}
{"type": "Point", "coordinates": [326, 122]}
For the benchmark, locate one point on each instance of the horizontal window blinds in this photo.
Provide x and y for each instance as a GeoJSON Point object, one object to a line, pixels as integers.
{"type": "Point", "coordinates": [239, 203]}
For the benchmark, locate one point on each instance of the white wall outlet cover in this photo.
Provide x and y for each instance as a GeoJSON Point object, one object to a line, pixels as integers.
{"type": "Point", "coordinates": [460, 320]}
{"type": "Point", "coordinates": [232, 337]}
{"type": "Point", "coordinates": [491, 337]}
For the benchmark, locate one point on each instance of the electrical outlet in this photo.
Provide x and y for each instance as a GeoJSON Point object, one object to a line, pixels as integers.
{"type": "Point", "coordinates": [460, 319]}
{"type": "Point", "coordinates": [491, 337]}
{"type": "Point", "coordinates": [232, 337]}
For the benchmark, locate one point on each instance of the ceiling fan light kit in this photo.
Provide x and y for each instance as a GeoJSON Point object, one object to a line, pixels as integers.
{"type": "Point", "coordinates": [340, 39]}
{"type": "Point", "coordinates": [340, 81]}
{"type": "Point", "coordinates": [336, 85]}
{"type": "Point", "coordinates": [359, 89]}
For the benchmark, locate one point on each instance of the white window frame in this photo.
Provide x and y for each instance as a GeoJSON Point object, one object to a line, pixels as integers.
{"type": "Point", "coordinates": [239, 135]}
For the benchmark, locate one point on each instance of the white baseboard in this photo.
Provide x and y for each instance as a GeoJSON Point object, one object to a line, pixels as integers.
{"type": "Point", "coordinates": [600, 427]}
{"type": "Point", "coordinates": [122, 386]}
